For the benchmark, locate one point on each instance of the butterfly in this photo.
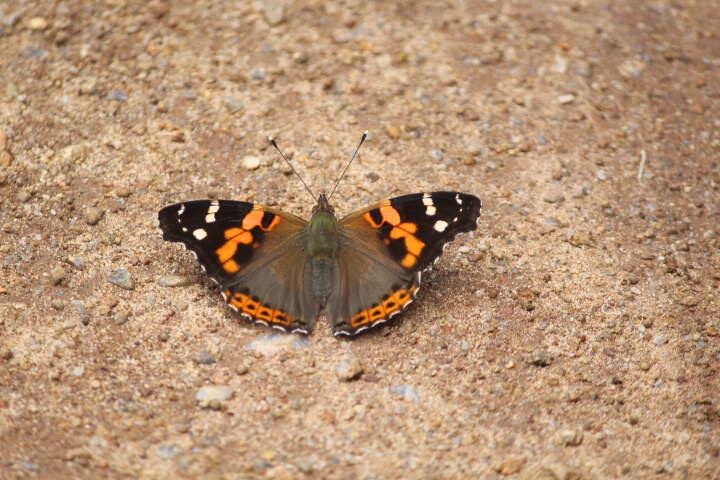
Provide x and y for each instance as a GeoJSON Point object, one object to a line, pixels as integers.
{"type": "Point", "coordinates": [282, 271]}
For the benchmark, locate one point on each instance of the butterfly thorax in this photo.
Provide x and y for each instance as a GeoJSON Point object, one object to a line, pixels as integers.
{"type": "Point", "coordinates": [322, 249]}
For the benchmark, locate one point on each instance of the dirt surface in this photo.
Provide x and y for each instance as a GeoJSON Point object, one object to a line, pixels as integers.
{"type": "Point", "coordinates": [574, 335]}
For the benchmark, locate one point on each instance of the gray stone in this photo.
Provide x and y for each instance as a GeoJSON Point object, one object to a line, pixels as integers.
{"type": "Point", "coordinates": [554, 198]}
{"type": "Point", "coordinates": [77, 262]}
{"type": "Point", "coordinates": [214, 396]}
{"type": "Point", "coordinates": [348, 368]}
{"type": "Point", "coordinates": [93, 215]}
{"type": "Point", "coordinates": [251, 162]}
{"type": "Point", "coordinates": [273, 10]}
{"type": "Point", "coordinates": [406, 391]}
{"type": "Point", "coordinates": [169, 451]}
{"type": "Point", "coordinates": [204, 357]}
{"type": "Point", "coordinates": [269, 345]}
{"type": "Point", "coordinates": [118, 96]}
{"type": "Point", "coordinates": [122, 279]}
{"type": "Point", "coordinates": [57, 275]}
{"type": "Point", "coordinates": [173, 281]}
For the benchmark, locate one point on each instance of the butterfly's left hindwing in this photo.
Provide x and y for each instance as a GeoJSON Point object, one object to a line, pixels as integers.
{"type": "Point", "coordinates": [253, 252]}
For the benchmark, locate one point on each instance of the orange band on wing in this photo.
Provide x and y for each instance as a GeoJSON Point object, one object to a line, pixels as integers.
{"type": "Point", "coordinates": [259, 311]}
{"type": "Point", "coordinates": [394, 303]}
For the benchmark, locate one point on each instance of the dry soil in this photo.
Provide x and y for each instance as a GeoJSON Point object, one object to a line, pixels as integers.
{"type": "Point", "coordinates": [574, 335]}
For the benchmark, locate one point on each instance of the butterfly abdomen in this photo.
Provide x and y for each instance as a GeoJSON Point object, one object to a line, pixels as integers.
{"type": "Point", "coordinates": [322, 248]}
{"type": "Point", "coordinates": [323, 277]}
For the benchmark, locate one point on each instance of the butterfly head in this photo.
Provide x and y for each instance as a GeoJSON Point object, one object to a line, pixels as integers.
{"type": "Point", "coordinates": [323, 205]}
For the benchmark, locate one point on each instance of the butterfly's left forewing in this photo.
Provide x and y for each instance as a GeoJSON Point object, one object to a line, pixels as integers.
{"type": "Point", "coordinates": [384, 250]}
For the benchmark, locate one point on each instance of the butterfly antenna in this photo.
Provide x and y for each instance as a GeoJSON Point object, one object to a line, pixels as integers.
{"type": "Point", "coordinates": [364, 136]}
{"type": "Point", "coordinates": [272, 142]}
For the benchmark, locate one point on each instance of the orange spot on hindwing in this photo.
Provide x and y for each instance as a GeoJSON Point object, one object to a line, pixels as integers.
{"type": "Point", "coordinates": [231, 266]}
{"type": "Point", "coordinates": [409, 260]}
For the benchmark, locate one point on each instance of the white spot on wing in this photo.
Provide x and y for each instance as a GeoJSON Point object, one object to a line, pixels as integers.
{"type": "Point", "coordinates": [200, 233]}
{"type": "Point", "coordinates": [427, 200]}
{"type": "Point", "coordinates": [430, 210]}
{"type": "Point", "coordinates": [182, 210]}
{"type": "Point", "coordinates": [458, 199]}
{"type": "Point", "coordinates": [184, 229]}
{"type": "Point", "coordinates": [210, 217]}
{"type": "Point", "coordinates": [213, 208]}
{"type": "Point", "coordinates": [439, 226]}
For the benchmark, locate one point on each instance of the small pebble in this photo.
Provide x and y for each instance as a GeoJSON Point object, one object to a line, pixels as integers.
{"type": "Point", "coordinates": [393, 132]}
{"type": "Point", "coordinates": [406, 391]}
{"type": "Point", "coordinates": [540, 359]}
{"type": "Point", "coordinates": [582, 192]}
{"type": "Point", "coordinates": [123, 192]}
{"type": "Point", "coordinates": [660, 340]}
{"type": "Point", "coordinates": [23, 196]}
{"type": "Point", "coordinates": [269, 345]}
{"type": "Point", "coordinates": [169, 451]}
{"type": "Point", "coordinates": [121, 317]}
{"type": "Point", "coordinates": [372, 176]}
{"type": "Point", "coordinates": [118, 96]}
{"type": "Point", "coordinates": [601, 175]}
{"type": "Point", "coordinates": [122, 279]}
{"type": "Point", "coordinates": [570, 438]}
{"type": "Point", "coordinates": [6, 159]}
{"type": "Point", "coordinates": [77, 262]}
{"type": "Point", "coordinates": [204, 357]}
{"type": "Point", "coordinates": [250, 162]}
{"type": "Point", "coordinates": [78, 306]}
{"type": "Point", "coordinates": [510, 466]}
{"type": "Point", "coordinates": [437, 154]}
{"type": "Point", "coordinates": [348, 368]}
{"type": "Point", "coordinates": [233, 104]}
{"type": "Point", "coordinates": [93, 215]}
{"type": "Point", "coordinates": [173, 281]}
{"type": "Point", "coordinates": [554, 198]}
{"type": "Point", "coordinates": [565, 99]}
{"type": "Point", "coordinates": [37, 23]}
{"type": "Point", "coordinates": [273, 10]}
{"type": "Point", "coordinates": [213, 396]}
{"type": "Point", "coordinates": [57, 275]}
{"type": "Point", "coordinates": [581, 239]}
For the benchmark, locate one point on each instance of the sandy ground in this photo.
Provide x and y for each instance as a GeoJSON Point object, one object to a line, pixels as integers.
{"type": "Point", "coordinates": [574, 335]}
